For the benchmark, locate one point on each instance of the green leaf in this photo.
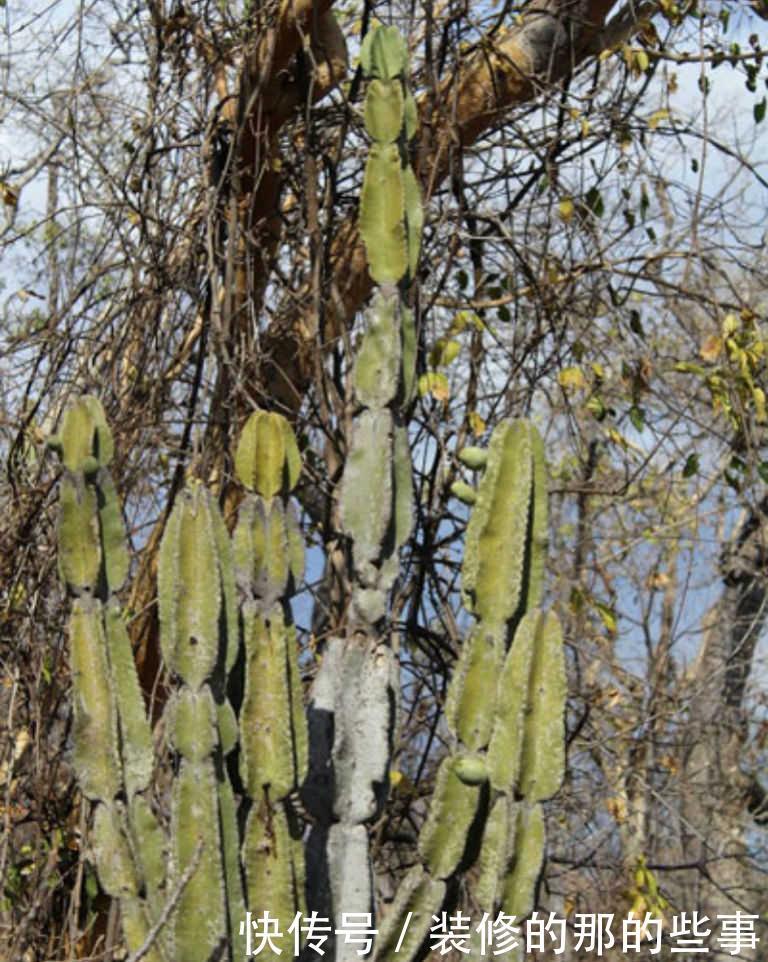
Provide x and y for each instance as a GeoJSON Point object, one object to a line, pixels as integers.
{"type": "Point", "coordinates": [607, 616]}
{"type": "Point", "coordinates": [594, 201]}
{"type": "Point", "coordinates": [596, 407]}
{"type": "Point", "coordinates": [691, 466]}
{"type": "Point", "coordinates": [759, 111]}
{"type": "Point", "coordinates": [637, 417]}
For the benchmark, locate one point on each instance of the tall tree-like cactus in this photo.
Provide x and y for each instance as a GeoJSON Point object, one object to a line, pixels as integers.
{"type": "Point", "coordinates": [356, 689]}
{"type": "Point", "coordinates": [234, 838]}
{"type": "Point", "coordinates": [113, 755]}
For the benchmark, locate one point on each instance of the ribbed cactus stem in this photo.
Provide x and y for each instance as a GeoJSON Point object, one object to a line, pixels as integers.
{"type": "Point", "coordinates": [506, 700]}
{"type": "Point", "coordinates": [112, 749]}
{"type": "Point", "coordinates": [358, 678]}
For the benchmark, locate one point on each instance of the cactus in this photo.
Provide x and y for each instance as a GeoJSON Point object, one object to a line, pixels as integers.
{"type": "Point", "coordinates": [506, 701]}
{"type": "Point", "coordinates": [112, 741]}
{"type": "Point", "coordinates": [234, 835]}
{"type": "Point", "coordinates": [391, 214]}
{"type": "Point", "coordinates": [205, 590]}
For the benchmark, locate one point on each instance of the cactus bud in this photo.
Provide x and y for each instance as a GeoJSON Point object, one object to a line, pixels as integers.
{"type": "Point", "coordinates": [474, 458]}
{"type": "Point", "coordinates": [464, 492]}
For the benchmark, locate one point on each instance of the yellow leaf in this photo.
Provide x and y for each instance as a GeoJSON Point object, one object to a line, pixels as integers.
{"type": "Point", "coordinates": [400, 783]}
{"type": "Point", "coordinates": [476, 423]}
{"type": "Point", "coordinates": [565, 209]}
{"type": "Point", "coordinates": [572, 379]}
{"type": "Point", "coordinates": [730, 324]}
{"type": "Point", "coordinates": [711, 348]}
{"type": "Point", "coordinates": [435, 384]}
{"type": "Point", "coordinates": [656, 118]}
{"type": "Point", "coordinates": [617, 438]}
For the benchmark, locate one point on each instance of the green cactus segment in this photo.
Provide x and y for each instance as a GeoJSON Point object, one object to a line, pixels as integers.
{"type": "Point", "coordinates": [192, 716]}
{"type": "Point", "coordinates": [377, 366]}
{"type": "Point", "coordinates": [134, 916]}
{"type": "Point", "coordinates": [403, 474]}
{"type": "Point", "coordinates": [135, 732]}
{"type": "Point", "coordinates": [273, 863]}
{"type": "Point", "coordinates": [382, 214]}
{"type": "Point", "coordinates": [112, 851]}
{"type": "Point", "coordinates": [228, 588]}
{"type": "Point", "coordinates": [444, 835]}
{"type": "Point", "coordinates": [248, 540]}
{"type": "Point", "coordinates": [543, 757]}
{"type": "Point", "coordinates": [411, 112]}
{"type": "Point", "coordinates": [519, 887]}
{"type": "Point", "coordinates": [494, 855]}
{"type": "Point", "coordinates": [471, 703]}
{"type": "Point", "coordinates": [269, 744]}
{"type": "Point", "coordinates": [78, 531]}
{"type": "Point", "coordinates": [200, 923]}
{"type": "Point", "coordinates": [539, 525]}
{"type": "Point", "coordinates": [271, 568]}
{"type": "Point", "coordinates": [150, 847]}
{"type": "Point", "coordinates": [409, 351]}
{"type": "Point", "coordinates": [267, 459]}
{"type": "Point", "coordinates": [85, 439]}
{"type": "Point", "coordinates": [383, 54]}
{"type": "Point", "coordinates": [507, 740]}
{"type": "Point", "coordinates": [384, 110]}
{"type": "Point", "coordinates": [414, 217]}
{"type": "Point", "coordinates": [114, 547]}
{"type": "Point", "coordinates": [498, 527]}
{"type": "Point", "coordinates": [420, 895]}
{"type": "Point", "coordinates": [227, 724]}
{"type": "Point", "coordinates": [298, 715]}
{"type": "Point", "coordinates": [189, 588]}
{"type": "Point", "coordinates": [366, 490]}
{"type": "Point", "coordinates": [95, 721]}
{"type": "Point", "coordinates": [295, 544]}
{"type": "Point", "coordinates": [235, 899]}
{"type": "Point", "coordinates": [261, 550]}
